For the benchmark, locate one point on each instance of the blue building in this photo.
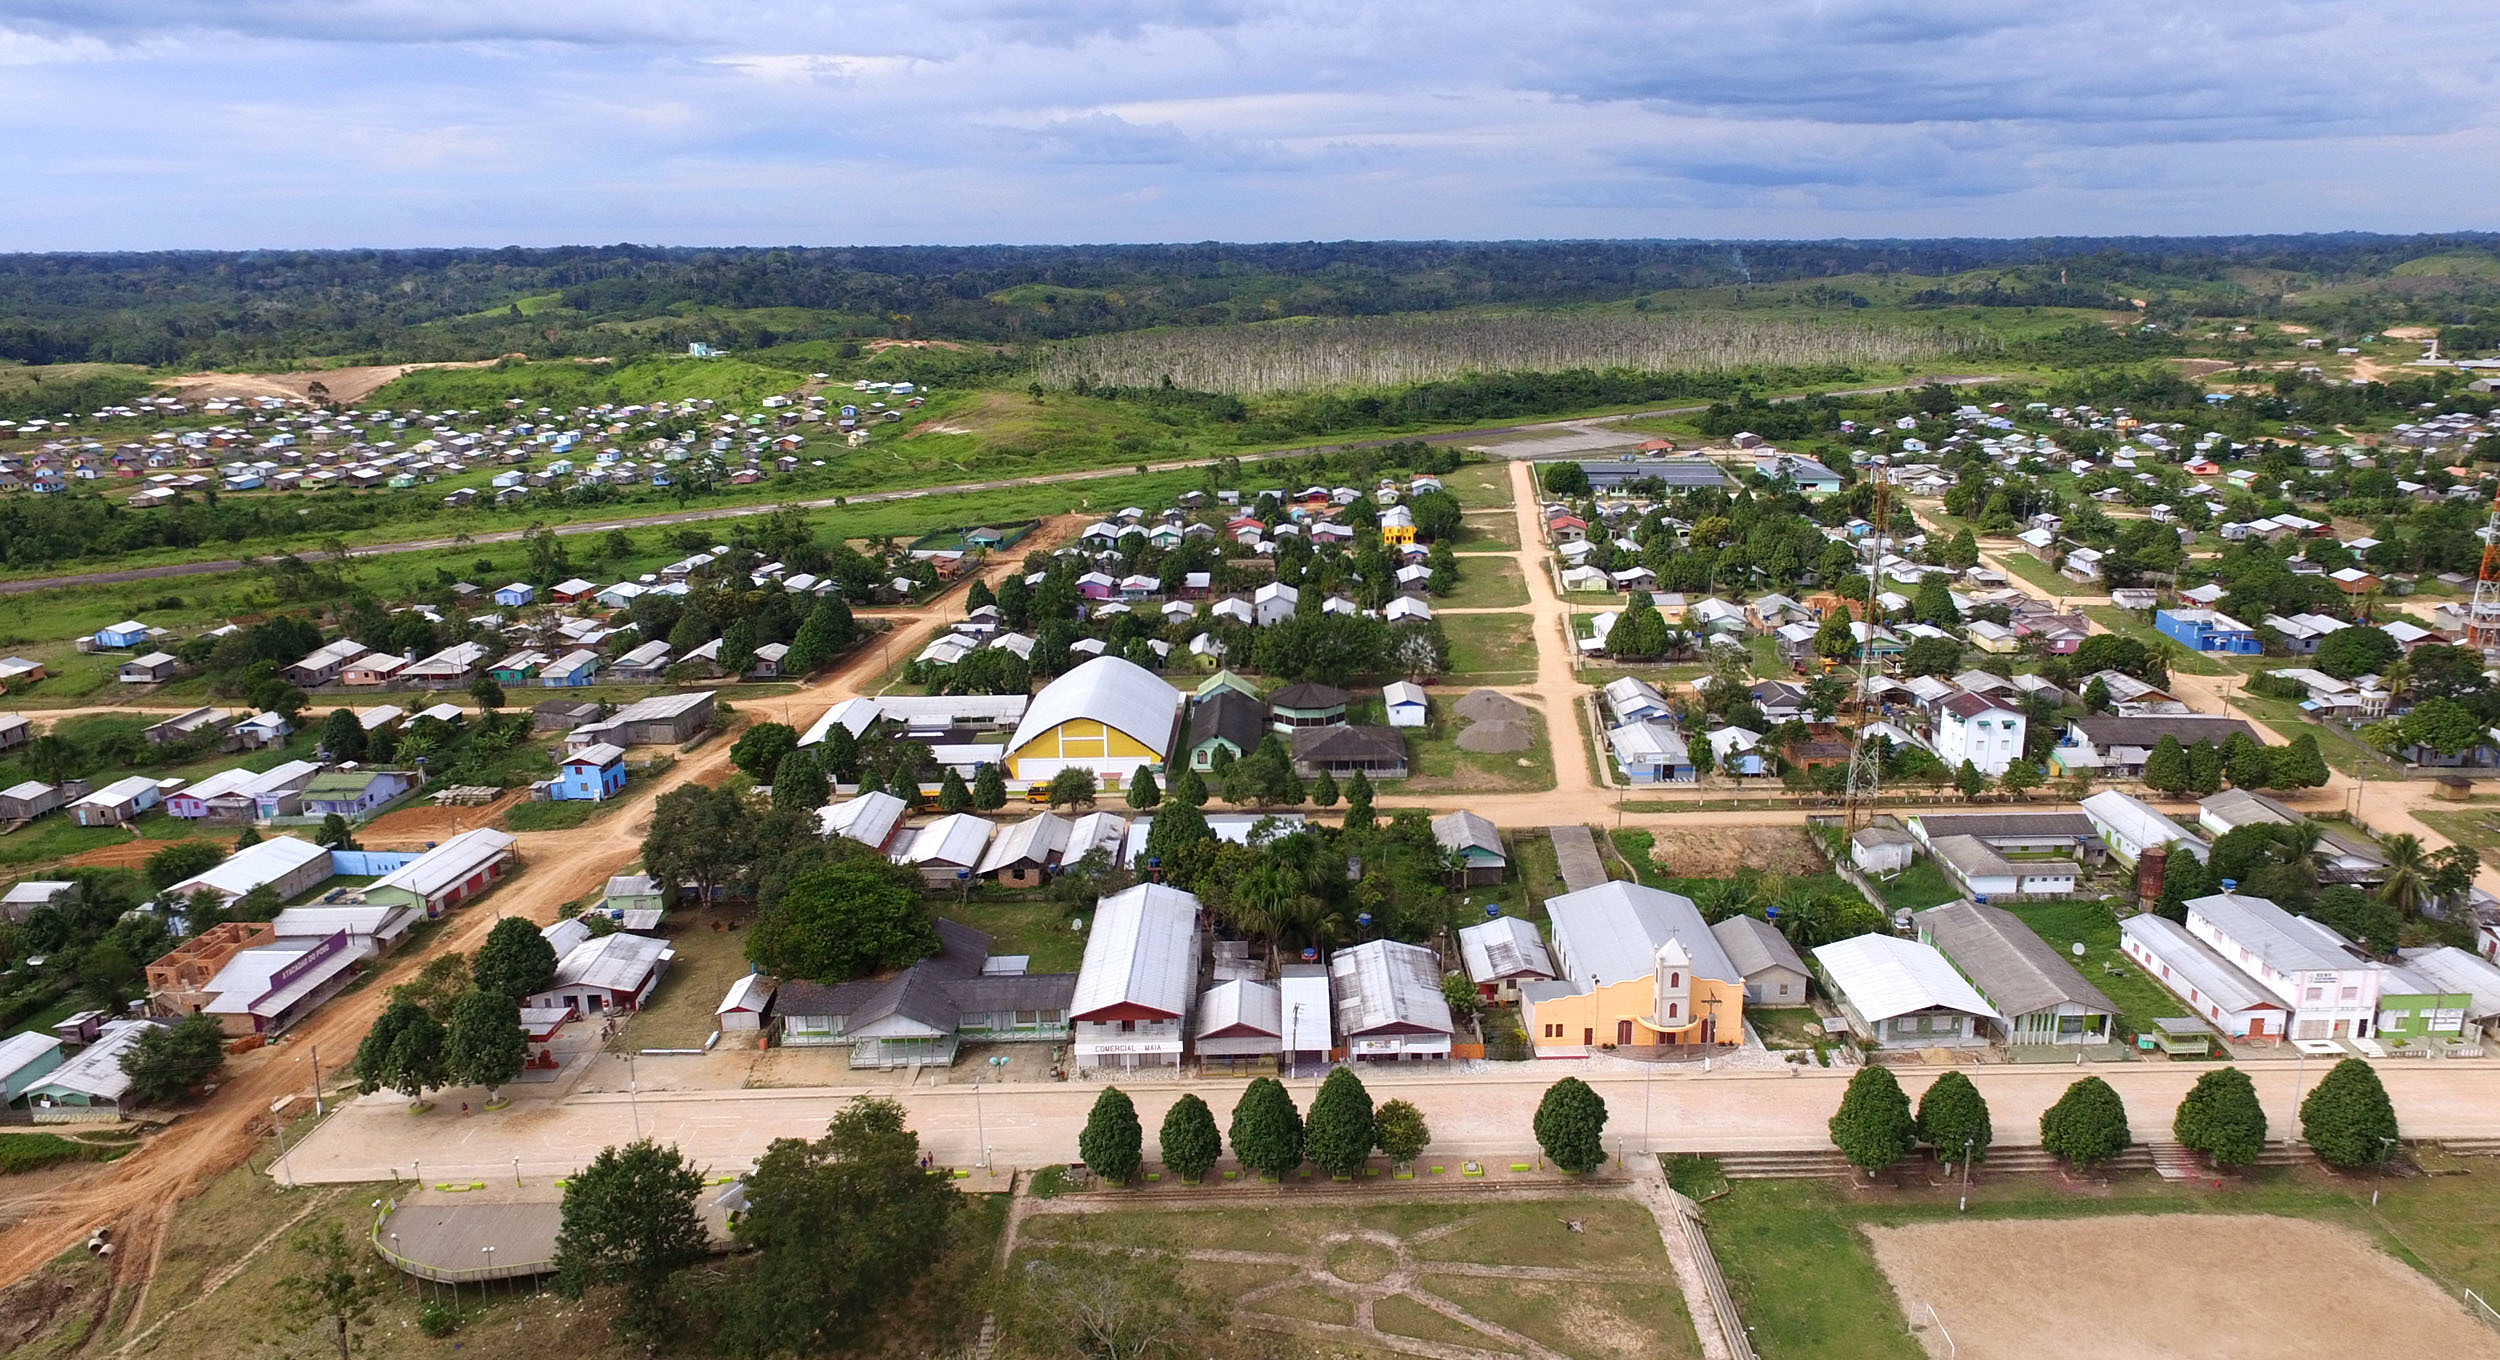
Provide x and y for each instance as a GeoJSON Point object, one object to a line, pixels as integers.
{"type": "Point", "coordinates": [128, 633]}
{"type": "Point", "coordinates": [515, 595]}
{"type": "Point", "coordinates": [2203, 630]}
{"type": "Point", "coordinates": [593, 774]}
{"type": "Point", "coordinates": [572, 669]}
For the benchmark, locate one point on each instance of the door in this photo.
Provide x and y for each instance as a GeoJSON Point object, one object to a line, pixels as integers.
{"type": "Point", "coordinates": [1623, 1034]}
{"type": "Point", "coordinates": [2257, 1027]}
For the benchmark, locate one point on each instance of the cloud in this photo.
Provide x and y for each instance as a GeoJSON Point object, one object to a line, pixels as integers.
{"type": "Point", "coordinates": [407, 122]}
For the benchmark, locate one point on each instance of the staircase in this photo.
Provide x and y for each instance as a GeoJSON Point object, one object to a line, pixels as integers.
{"type": "Point", "coordinates": [1806, 1165]}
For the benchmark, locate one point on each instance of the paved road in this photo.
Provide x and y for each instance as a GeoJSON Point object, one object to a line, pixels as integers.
{"type": "Point", "coordinates": [209, 568]}
{"type": "Point", "coordinates": [1485, 1114]}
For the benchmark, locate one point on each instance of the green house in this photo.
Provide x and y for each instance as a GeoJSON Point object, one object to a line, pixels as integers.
{"type": "Point", "coordinates": [1225, 679]}
{"type": "Point", "coordinates": [2412, 1007]}
{"type": "Point", "coordinates": [1227, 721]}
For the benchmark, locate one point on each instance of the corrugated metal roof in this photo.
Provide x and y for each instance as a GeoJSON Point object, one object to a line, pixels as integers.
{"type": "Point", "coordinates": [255, 865]}
{"type": "Point", "coordinates": [956, 839]}
{"type": "Point", "coordinates": [2017, 968]}
{"type": "Point", "coordinates": [1613, 931]}
{"type": "Point", "coordinates": [2271, 933]}
{"type": "Point", "coordinates": [1884, 976]}
{"type": "Point", "coordinates": [1118, 694]}
{"type": "Point", "coordinates": [1383, 984]}
{"type": "Point", "coordinates": [869, 819]}
{"type": "Point", "coordinates": [1464, 830]}
{"type": "Point", "coordinates": [1252, 1007]}
{"type": "Point", "coordinates": [619, 962]}
{"type": "Point", "coordinates": [1309, 1014]}
{"type": "Point", "coordinates": [1038, 840]}
{"type": "Point", "coordinates": [1755, 945]}
{"type": "Point", "coordinates": [2446, 967]}
{"type": "Point", "coordinates": [1142, 951]}
{"type": "Point", "coordinates": [1504, 947]}
{"type": "Point", "coordinates": [2193, 962]}
{"type": "Point", "coordinates": [448, 863]}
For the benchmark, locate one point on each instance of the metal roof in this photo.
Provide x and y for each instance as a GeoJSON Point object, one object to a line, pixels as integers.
{"type": "Point", "coordinates": [1383, 984]}
{"type": "Point", "coordinates": [1996, 826]}
{"type": "Point", "coordinates": [1884, 976]}
{"type": "Point", "coordinates": [1039, 839]}
{"type": "Point", "coordinates": [96, 1071]}
{"type": "Point", "coordinates": [2008, 962]}
{"type": "Point", "coordinates": [1613, 931]}
{"type": "Point", "coordinates": [1119, 694]}
{"type": "Point", "coordinates": [1142, 951]}
{"type": "Point", "coordinates": [2270, 933]}
{"type": "Point", "coordinates": [448, 863]}
{"type": "Point", "coordinates": [618, 962]}
{"type": "Point", "coordinates": [1464, 830]}
{"type": "Point", "coordinates": [1504, 947]}
{"type": "Point", "coordinates": [255, 865]}
{"type": "Point", "coordinates": [2446, 967]}
{"type": "Point", "coordinates": [957, 839]}
{"type": "Point", "coordinates": [869, 819]}
{"type": "Point", "coordinates": [1755, 945]}
{"type": "Point", "coordinates": [2194, 962]}
{"type": "Point", "coordinates": [1257, 1007]}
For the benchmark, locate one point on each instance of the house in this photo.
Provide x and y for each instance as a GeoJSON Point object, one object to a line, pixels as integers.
{"type": "Point", "coordinates": [27, 897]}
{"type": "Point", "coordinates": [2330, 989]}
{"type": "Point", "coordinates": [1983, 731]}
{"type": "Point", "coordinates": [1378, 752]}
{"type": "Point", "coordinates": [649, 661]}
{"type": "Point", "coordinates": [572, 590]}
{"type": "Point", "coordinates": [518, 668]}
{"type": "Point", "coordinates": [2130, 826]}
{"type": "Point", "coordinates": [1638, 969]}
{"type": "Point", "coordinates": [1993, 638]}
{"type": "Point", "coordinates": [147, 670]}
{"type": "Point", "coordinates": [744, 1007]}
{"type": "Point", "coordinates": [1241, 1024]}
{"type": "Point", "coordinates": [447, 875]}
{"type": "Point", "coordinates": [1388, 1002]}
{"type": "Point", "coordinates": [870, 819]}
{"type": "Point", "coordinates": [1980, 870]}
{"type": "Point", "coordinates": [516, 595]}
{"type": "Point", "coordinates": [260, 731]}
{"type": "Point", "coordinates": [629, 893]}
{"type": "Point", "coordinates": [2205, 630]}
{"type": "Point", "coordinates": [2043, 999]}
{"type": "Point", "coordinates": [373, 668]}
{"type": "Point", "coordinates": [1133, 991]}
{"type": "Point", "coordinates": [594, 773]}
{"type": "Point", "coordinates": [661, 720]}
{"type": "Point", "coordinates": [118, 803]}
{"type": "Point", "coordinates": [571, 670]}
{"type": "Point", "coordinates": [1406, 704]}
{"type": "Point", "coordinates": [127, 633]}
{"type": "Point", "coordinates": [30, 799]}
{"type": "Point", "coordinates": [88, 1087]}
{"type": "Point", "coordinates": [1108, 717]}
{"type": "Point", "coordinates": [2456, 972]}
{"type": "Point", "coordinates": [1630, 699]}
{"type": "Point", "coordinates": [324, 664]}
{"type": "Point", "coordinates": [1501, 953]}
{"type": "Point", "coordinates": [945, 851]}
{"type": "Point", "coordinates": [267, 988]}
{"type": "Point", "coordinates": [1768, 963]}
{"type": "Point", "coordinates": [2115, 745]}
{"type": "Point", "coordinates": [1474, 843]}
{"type": "Point", "coordinates": [19, 670]}
{"type": "Point", "coordinates": [1900, 993]}
{"type": "Point", "coordinates": [1273, 603]}
{"type": "Point", "coordinates": [24, 1060]}
{"type": "Point", "coordinates": [286, 865]}
{"type": "Point", "coordinates": [1226, 720]}
{"type": "Point", "coordinates": [2413, 1008]}
{"type": "Point", "coordinates": [602, 974]}
{"type": "Point", "coordinates": [1651, 752]}
{"type": "Point", "coordinates": [1024, 854]}
{"type": "Point", "coordinates": [1307, 705]}
{"type": "Point", "coordinates": [2340, 858]}
{"type": "Point", "coordinates": [920, 1015]}
{"type": "Point", "coordinates": [353, 794]}
{"type": "Point", "coordinates": [451, 667]}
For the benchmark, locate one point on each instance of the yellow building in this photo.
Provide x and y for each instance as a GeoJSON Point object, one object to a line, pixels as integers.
{"type": "Point", "coordinates": [1640, 969]}
{"type": "Point", "coordinates": [1397, 526]}
{"type": "Point", "coordinates": [1107, 716]}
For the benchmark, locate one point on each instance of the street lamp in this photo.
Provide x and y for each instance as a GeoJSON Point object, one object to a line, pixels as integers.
{"type": "Point", "coordinates": [980, 1127]}
{"type": "Point", "coordinates": [490, 1269]}
{"type": "Point", "coordinates": [1968, 1140]}
{"type": "Point", "coordinates": [516, 1173]}
{"type": "Point", "coordinates": [2300, 1062]}
{"type": "Point", "coordinates": [2386, 1149]}
{"type": "Point", "coordinates": [633, 1094]}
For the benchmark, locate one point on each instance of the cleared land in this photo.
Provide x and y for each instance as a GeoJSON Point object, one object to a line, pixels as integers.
{"type": "Point", "coordinates": [2201, 1288]}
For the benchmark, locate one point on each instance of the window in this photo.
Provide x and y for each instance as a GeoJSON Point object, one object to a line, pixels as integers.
{"type": "Point", "coordinates": [2352, 994]}
{"type": "Point", "coordinates": [2317, 994]}
{"type": "Point", "coordinates": [1128, 1027]}
{"type": "Point", "coordinates": [1670, 1010]}
{"type": "Point", "coordinates": [1905, 1025]}
{"type": "Point", "coordinates": [1028, 1017]}
{"type": "Point", "coordinates": [1675, 979]}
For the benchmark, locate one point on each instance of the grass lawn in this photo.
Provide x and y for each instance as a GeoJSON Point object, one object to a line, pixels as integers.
{"type": "Point", "coordinates": [2140, 997]}
{"type": "Point", "coordinates": [28, 1151]}
{"type": "Point", "coordinates": [1486, 583]}
{"type": "Point", "coordinates": [1495, 649]}
{"type": "Point", "coordinates": [2032, 569]}
{"type": "Point", "coordinates": [55, 837]}
{"type": "Point", "coordinates": [1440, 766]}
{"type": "Point", "coordinates": [711, 954]}
{"type": "Point", "coordinates": [1481, 486]}
{"type": "Point", "coordinates": [1034, 928]}
{"type": "Point", "coordinates": [561, 814]}
{"type": "Point", "coordinates": [2126, 624]}
{"type": "Point", "coordinates": [1492, 531]}
{"type": "Point", "coordinates": [1788, 1026]}
{"type": "Point", "coordinates": [2476, 824]}
{"type": "Point", "coordinates": [1916, 888]}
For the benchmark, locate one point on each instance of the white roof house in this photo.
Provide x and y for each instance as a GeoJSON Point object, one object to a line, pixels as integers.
{"type": "Point", "coordinates": [1503, 949]}
{"type": "Point", "coordinates": [1240, 1019]}
{"type": "Point", "coordinates": [1388, 1002]}
{"type": "Point", "coordinates": [1141, 953]}
{"type": "Point", "coordinates": [1614, 930]}
{"type": "Point", "coordinates": [1039, 840]}
{"type": "Point", "coordinates": [1106, 693]}
{"type": "Point", "coordinates": [869, 819]}
{"type": "Point", "coordinates": [949, 844]}
{"type": "Point", "coordinates": [92, 1077]}
{"type": "Point", "coordinates": [1903, 993]}
{"type": "Point", "coordinates": [457, 869]}
{"type": "Point", "coordinates": [2132, 826]}
{"type": "Point", "coordinates": [282, 862]}
{"type": "Point", "coordinates": [614, 971]}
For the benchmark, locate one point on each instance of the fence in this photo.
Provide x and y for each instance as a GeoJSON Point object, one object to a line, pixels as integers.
{"type": "Point", "coordinates": [1722, 1306]}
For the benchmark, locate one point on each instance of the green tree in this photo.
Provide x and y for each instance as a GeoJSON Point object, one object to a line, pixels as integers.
{"type": "Point", "coordinates": [1189, 789]}
{"type": "Point", "coordinates": [2166, 766]}
{"type": "Point", "coordinates": [2408, 874]}
{"type": "Point", "coordinates": [1970, 781]}
{"type": "Point", "coordinates": [2221, 1118]}
{"type": "Point", "coordinates": [1072, 787]}
{"type": "Point", "coordinates": [989, 788]}
{"type": "Point", "coordinates": [342, 736]}
{"type": "Point", "coordinates": [485, 1045]}
{"type": "Point", "coordinates": [1143, 792]}
{"type": "Point", "coordinates": [854, 917]}
{"type": "Point", "coordinates": [2184, 878]}
{"type": "Point", "coordinates": [440, 981]}
{"type": "Point", "coordinates": [1176, 827]}
{"type": "Point", "coordinates": [2443, 725]}
{"type": "Point", "coordinates": [1324, 791]}
{"type": "Point", "coordinates": [2299, 765]}
{"type": "Point", "coordinates": [1189, 1143]}
{"type": "Point", "coordinates": [2252, 766]}
{"type": "Point", "coordinates": [1873, 1128]}
{"type": "Point", "coordinates": [1100, 1300]}
{"type": "Point", "coordinates": [403, 1052]}
{"type": "Point", "coordinates": [952, 796]}
{"type": "Point", "coordinates": [1339, 1133]}
{"type": "Point", "coordinates": [487, 693]}
{"type": "Point", "coordinates": [1571, 1126]}
{"type": "Point", "coordinates": [2204, 768]}
{"type": "Point", "coordinates": [335, 833]}
{"type": "Point", "coordinates": [182, 859]}
{"type": "Point", "coordinates": [1112, 1144]}
{"type": "Point", "coordinates": [761, 747]}
{"type": "Point", "coordinates": [247, 838]}
{"type": "Point", "coordinates": [168, 1061]}
{"type": "Point", "coordinates": [335, 1284]}
{"type": "Point", "coordinates": [2087, 1126]}
{"type": "Point", "coordinates": [1834, 640]}
{"type": "Point", "coordinates": [1952, 1115]}
{"type": "Point", "coordinates": [629, 1221]}
{"type": "Point", "coordinates": [516, 960]}
{"type": "Point", "coordinates": [1401, 1133]}
{"type": "Point", "coordinates": [2348, 652]}
{"type": "Point", "coordinates": [842, 1230]}
{"type": "Point", "coordinates": [1565, 479]}
{"type": "Point", "coordinates": [1266, 1132]}
{"type": "Point", "coordinates": [2020, 778]}
{"type": "Point", "coordinates": [2347, 1117]}
{"type": "Point", "coordinates": [1358, 802]}
{"type": "Point", "coordinates": [799, 782]}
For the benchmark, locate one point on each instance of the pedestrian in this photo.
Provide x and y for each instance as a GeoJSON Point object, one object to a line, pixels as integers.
{"type": "Point", "coordinates": [464, 1107]}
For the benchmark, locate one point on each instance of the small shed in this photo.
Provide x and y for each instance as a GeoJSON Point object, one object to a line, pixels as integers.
{"type": "Point", "coordinates": [1407, 704]}
{"type": "Point", "coordinates": [745, 1008]}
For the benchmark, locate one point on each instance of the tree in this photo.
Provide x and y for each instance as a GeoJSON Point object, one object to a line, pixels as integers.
{"type": "Point", "coordinates": [799, 782]}
{"type": "Point", "coordinates": [342, 736]}
{"type": "Point", "coordinates": [761, 747]}
{"type": "Point", "coordinates": [485, 1045]}
{"type": "Point", "coordinates": [2408, 874]}
{"type": "Point", "coordinates": [2087, 1126]}
{"type": "Point", "coordinates": [1266, 1131]}
{"type": "Point", "coordinates": [516, 960]}
{"type": "Point", "coordinates": [1834, 640]}
{"type": "Point", "coordinates": [1112, 1144]}
{"type": "Point", "coordinates": [1358, 802]}
{"type": "Point", "coordinates": [1970, 781]}
{"type": "Point", "coordinates": [1571, 1126]}
{"type": "Point", "coordinates": [2452, 873]}
{"type": "Point", "coordinates": [2347, 1117]}
{"type": "Point", "coordinates": [2299, 765]}
{"type": "Point", "coordinates": [2184, 878]}
{"type": "Point", "coordinates": [443, 980]}
{"type": "Point", "coordinates": [1143, 792]}
{"type": "Point", "coordinates": [336, 1284]}
{"type": "Point", "coordinates": [2251, 766]}
{"type": "Point", "coordinates": [989, 788]}
{"type": "Point", "coordinates": [854, 917]}
{"type": "Point", "coordinates": [247, 838]}
{"type": "Point", "coordinates": [1400, 1132]}
{"type": "Point", "coordinates": [1565, 479]}
{"type": "Point", "coordinates": [403, 1052]}
{"type": "Point", "coordinates": [2204, 761]}
{"type": "Point", "coordinates": [1106, 1301]}
{"type": "Point", "coordinates": [1873, 1128]}
{"type": "Point", "coordinates": [1953, 1116]}
{"type": "Point", "coordinates": [703, 836]}
{"type": "Point", "coordinates": [1189, 789]}
{"type": "Point", "coordinates": [1072, 787]}
{"type": "Point", "coordinates": [2096, 695]}
{"type": "Point", "coordinates": [2443, 725]}
{"type": "Point", "coordinates": [335, 833]}
{"type": "Point", "coordinates": [952, 796]}
{"type": "Point", "coordinates": [2221, 1118]}
{"type": "Point", "coordinates": [841, 1229]}
{"type": "Point", "coordinates": [182, 859]}
{"type": "Point", "coordinates": [630, 1222]}
{"type": "Point", "coordinates": [487, 693]}
{"type": "Point", "coordinates": [2365, 920]}
{"type": "Point", "coordinates": [1340, 1132]}
{"type": "Point", "coordinates": [1931, 656]}
{"type": "Point", "coordinates": [2364, 650]}
{"type": "Point", "coordinates": [1324, 790]}
{"type": "Point", "coordinates": [2020, 778]}
{"type": "Point", "coordinates": [2166, 766]}
{"type": "Point", "coordinates": [167, 1061]}
{"type": "Point", "coordinates": [1176, 827]}
{"type": "Point", "coordinates": [1188, 1142]}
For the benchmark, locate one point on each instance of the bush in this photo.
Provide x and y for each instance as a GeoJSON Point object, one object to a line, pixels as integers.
{"type": "Point", "coordinates": [1048, 1183]}
{"type": "Point", "coordinates": [437, 1320]}
{"type": "Point", "coordinates": [2221, 1118]}
{"type": "Point", "coordinates": [2348, 1118]}
{"type": "Point", "coordinates": [1873, 1127]}
{"type": "Point", "coordinates": [2087, 1126]}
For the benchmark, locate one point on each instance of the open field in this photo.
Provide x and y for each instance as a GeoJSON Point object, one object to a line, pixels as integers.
{"type": "Point", "coordinates": [1440, 765]}
{"type": "Point", "coordinates": [1481, 485]}
{"type": "Point", "coordinates": [2477, 826]}
{"type": "Point", "coordinates": [1491, 649]}
{"type": "Point", "coordinates": [711, 954]}
{"type": "Point", "coordinates": [2140, 998]}
{"type": "Point", "coordinates": [1489, 532]}
{"type": "Point", "coordinates": [1487, 583]}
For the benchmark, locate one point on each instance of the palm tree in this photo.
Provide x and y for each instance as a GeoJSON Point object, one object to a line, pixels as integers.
{"type": "Point", "coordinates": [2408, 874]}
{"type": "Point", "coordinates": [2297, 846]}
{"type": "Point", "coordinates": [1721, 898]}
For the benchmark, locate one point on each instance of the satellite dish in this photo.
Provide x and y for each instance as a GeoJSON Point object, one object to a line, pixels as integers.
{"type": "Point", "coordinates": [2076, 948]}
{"type": "Point", "coordinates": [1076, 923]}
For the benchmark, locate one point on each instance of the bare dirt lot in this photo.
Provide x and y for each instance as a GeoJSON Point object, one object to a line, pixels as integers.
{"type": "Point", "coordinates": [344, 385]}
{"type": "Point", "coordinates": [418, 823]}
{"type": "Point", "coordinates": [2182, 1287]}
{"type": "Point", "coordinates": [1719, 851]}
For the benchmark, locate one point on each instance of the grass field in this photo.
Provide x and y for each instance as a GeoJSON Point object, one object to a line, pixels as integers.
{"type": "Point", "coordinates": [1439, 765]}
{"type": "Point", "coordinates": [1916, 888]}
{"type": "Point", "coordinates": [1494, 531]}
{"type": "Point", "coordinates": [1481, 486]}
{"type": "Point", "coordinates": [2140, 998]}
{"type": "Point", "coordinates": [2126, 624]}
{"type": "Point", "coordinates": [711, 954]}
{"type": "Point", "coordinates": [1487, 583]}
{"type": "Point", "coordinates": [1490, 649]}
{"type": "Point", "coordinates": [2476, 824]}
{"type": "Point", "coordinates": [1037, 929]}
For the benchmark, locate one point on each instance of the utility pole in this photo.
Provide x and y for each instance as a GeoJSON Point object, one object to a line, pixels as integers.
{"type": "Point", "coordinates": [316, 1062]}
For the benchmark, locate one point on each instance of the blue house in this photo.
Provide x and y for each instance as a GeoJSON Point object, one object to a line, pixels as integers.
{"type": "Point", "coordinates": [127, 633]}
{"type": "Point", "coordinates": [594, 774]}
{"type": "Point", "coordinates": [2203, 630]}
{"type": "Point", "coordinates": [572, 669]}
{"type": "Point", "coordinates": [515, 595]}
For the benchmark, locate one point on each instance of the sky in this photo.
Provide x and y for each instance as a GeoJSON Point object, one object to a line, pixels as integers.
{"type": "Point", "coordinates": [231, 124]}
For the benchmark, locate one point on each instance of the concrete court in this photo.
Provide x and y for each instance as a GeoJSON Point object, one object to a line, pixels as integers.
{"type": "Point", "coordinates": [1479, 1114]}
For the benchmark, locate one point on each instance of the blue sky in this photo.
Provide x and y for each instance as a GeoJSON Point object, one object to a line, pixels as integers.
{"type": "Point", "coordinates": [145, 124]}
